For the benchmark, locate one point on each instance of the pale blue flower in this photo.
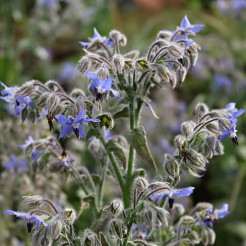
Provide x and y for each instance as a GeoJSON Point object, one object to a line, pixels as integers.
{"type": "Point", "coordinates": [96, 36]}
{"type": "Point", "coordinates": [74, 124]}
{"type": "Point", "coordinates": [212, 216]}
{"type": "Point", "coordinates": [101, 88]}
{"type": "Point", "coordinates": [233, 115]}
{"type": "Point", "coordinates": [158, 196]}
{"type": "Point", "coordinates": [31, 219]}
{"type": "Point", "coordinates": [15, 164]}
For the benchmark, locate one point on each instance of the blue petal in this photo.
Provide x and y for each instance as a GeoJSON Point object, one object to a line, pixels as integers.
{"type": "Point", "coordinates": [65, 131]}
{"type": "Point", "coordinates": [96, 34]}
{"type": "Point", "coordinates": [106, 84]}
{"type": "Point", "coordinates": [81, 131]}
{"type": "Point", "coordinates": [196, 28]}
{"type": "Point", "coordinates": [230, 106]}
{"type": "Point", "coordinates": [11, 212]}
{"type": "Point", "coordinates": [158, 196]}
{"type": "Point", "coordinates": [116, 94]}
{"type": "Point", "coordinates": [184, 192]}
{"type": "Point", "coordinates": [225, 134]}
{"type": "Point", "coordinates": [91, 75]}
{"type": "Point", "coordinates": [84, 44]}
{"type": "Point", "coordinates": [80, 116]}
{"type": "Point", "coordinates": [94, 84]}
{"type": "Point", "coordinates": [63, 120]}
{"type": "Point", "coordinates": [185, 23]}
{"type": "Point", "coordinates": [238, 113]}
{"type": "Point", "coordinates": [86, 121]}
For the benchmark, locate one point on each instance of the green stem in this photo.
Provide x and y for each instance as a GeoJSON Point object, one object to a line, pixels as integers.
{"type": "Point", "coordinates": [115, 166]}
{"type": "Point", "coordinates": [237, 187]}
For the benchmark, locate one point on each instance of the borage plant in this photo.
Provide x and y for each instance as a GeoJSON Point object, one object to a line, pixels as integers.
{"type": "Point", "coordinates": [148, 210]}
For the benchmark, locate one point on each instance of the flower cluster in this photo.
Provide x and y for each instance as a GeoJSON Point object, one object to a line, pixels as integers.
{"type": "Point", "coordinates": [119, 86]}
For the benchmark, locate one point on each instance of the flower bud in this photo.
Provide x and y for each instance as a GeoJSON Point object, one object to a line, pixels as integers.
{"type": "Point", "coordinates": [140, 184]}
{"type": "Point", "coordinates": [53, 102]}
{"type": "Point", "coordinates": [42, 100]}
{"type": "Point", "coordinates": [119, 62]}
{"type": "Point", "coordinates": [171, 166]}
{"type": "Point", "coordinates": [56, 228]}
{"type": "Point", "coordinates": [209, 236]}
{"type": "Point", "coordinates": [83, 64]}
{"type": "Point", "coordinates": [178, 209]}
{"type": "Point", "coordinates": [117, 228]}
{"type": "Point", "coordinates": [69, 216]}
{"type": "Point", "coordinates": [77, 92]}
{"type": "Point", "coordinates": [116, 207]}
{"type": "Point", "coordinates": [41, 238]}
{"type": "Point", "coordinates": [106, 120]}
{"type": "Point", "coordinates": [89, 238]}
{"type": "Point", "coordinates": [179, 141]}
{"type": "Point", "coordinates": [181, 75]}
{"type": "Point", "coordinates": [26, 89]}
{"type": "Point", "coordinates": [187, 220]}
{"type": "Point", "coordinates": [187, 128]}
{"type": "Point", "coordinates": [164, 35]}
{"type": "Point", "coordinates": [33, 202]}
{"type": "Point", "coordinates": [118, 37]}
{"type": "Point", "coordinates": [201, 110]}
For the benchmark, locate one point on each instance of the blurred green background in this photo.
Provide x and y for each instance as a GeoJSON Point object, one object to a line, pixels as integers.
{"type": "Point", "coordinates": [39, 40]}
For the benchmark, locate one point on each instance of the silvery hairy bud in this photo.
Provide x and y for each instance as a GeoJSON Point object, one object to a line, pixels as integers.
{"type": "Point", "coordinates": [83, 64]}
{"type": "Point", "coordinates": [209, 236]}
{"type": "Point", "coordinates": [42, 100]}
{"type": "Point", "coordinates": [171, 166]}
{"type": "Point", "coordinates": [33, 202]}
{"type": "Point", "coordinates": [172, 79]}
{"type": "Point", "coordinates": [178, 209]}
{"type": "Point", "coordinates": [179, 141]}
{"type": "Point", "coordinates": [79, 104]}
{"type": "Point", "coordinates": [140, 184]}
{"type": "Point", "coordinates": [27, 89]}
{"type": "Point", "coordinates": [201, 110]}
{"type": "Point", "coordinates": [164, 35]}
{"type": "Point", "coordinates": [54, 86]}
{"type": "Point", "coordinates": [194, 237]}
{"type": "Point", "coordinates": [69, 216]}
{"type": "Point", "coordinates": [77, 92]}
{"type": "Point", "coordinates": [202, 207]}
{"type": "Point", "coordinates": [118, 37]}
{"type": "Point", "coordinates": [119, 62]}
{"type": "Point", "coordinates": [181, 75]}
{"type": "Point", "coordinates": [56, 227]}
{"type": "Point", "coordinates": [90, 238]}
{"type": "Point", "coordinates": [121, 140]}
{"type": "Point", "coordinates": [116, 207]}
{"type": "Point", "coordinates": [175, 50]}
{"type": "Point", "coordinates": [103, 72]}
{"type": "Point", "coordinates": [162, 215]}
{"type": "Point", "coordinates": [187, 220]}
{"type": "Point", "coordinates": [193, 52]}
{"type": "Point", "coordinates": [187, 128]}
{"type": "Point", "coordinates": [53, 102]}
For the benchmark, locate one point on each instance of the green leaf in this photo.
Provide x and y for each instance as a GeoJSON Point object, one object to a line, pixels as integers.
{"type": "Point", "coordinates": [123, 113]}
{"type": "Point", "coordinates": [137, 138]}
{"type": "Point", "coordinates": [117, 150]}
{"type": "Point", "coordinates": [24, 113]}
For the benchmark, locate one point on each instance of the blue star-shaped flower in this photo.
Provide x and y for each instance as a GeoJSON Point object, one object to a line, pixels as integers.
{"type": "Point", "coordinates": [31, 219]}
{"type": "Point", "coordinates": [212, 216]}
{"type": "Point", "coordinates": [74, 124]}
{"type": "Point", "coordinates": [172, 193]}
{"type": "Point", "coordinates": [19, 101]}
{"type": "Point", "coordinates": [15, 164]}
{"type": "Point", "coordinates": [96, 36]}
{"type": "Point", "coordinates": [233, 115]}
{"type": "Point", "coordinates": [184, 30]}
{"type": "Point", "coordinates": [101, 88]}
{"type": "Point", "coordinates": [8, 93]}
